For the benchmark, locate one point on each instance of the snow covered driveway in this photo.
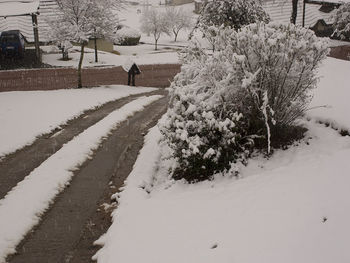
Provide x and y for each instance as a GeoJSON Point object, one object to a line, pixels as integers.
{"type": "Point", "coordinates": [24, 205]}
{"type": "Point", "coordinates": [24, 115]}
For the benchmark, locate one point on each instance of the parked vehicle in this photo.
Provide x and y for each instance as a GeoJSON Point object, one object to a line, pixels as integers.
{"type": "Point", "coordinates": [12, 44]}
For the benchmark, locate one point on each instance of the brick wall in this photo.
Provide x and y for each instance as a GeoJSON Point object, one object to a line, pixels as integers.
{"type": "Point", "coordinates": [62, 78]}
{"type": "Point", "coordinates": [340, 52]}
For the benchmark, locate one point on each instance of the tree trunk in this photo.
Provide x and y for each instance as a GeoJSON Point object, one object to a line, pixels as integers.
{"type": "Point", "coordinates": [95, 42]}
{"type": "Point", "coordinates": [64, 54]}
{"type": "Point", "coordinates": [175, 36]}
{"type": "Point", "coordinates": [156, 44]}
{"type": "Point", "coordinates": [80, 85]}
{"type": "Point", "coordinates": [293, 17]}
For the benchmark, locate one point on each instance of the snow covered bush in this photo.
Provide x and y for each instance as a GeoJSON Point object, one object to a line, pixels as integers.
{"type": "Point", "coordinates": [205, 139]}
{"type": "Point", "coordinates": [127, 37]}
{"type": "Point", "coordinates": [233, 13]}
{"type": "Point", "coordinates": [251, 90]}
{"type": "Point", "coordinates": [276, 64]}
{"type": "Point", "coordinates": [342, 21]}
{"type": "Point", "coordinates": [218, 14]}
{"type": "Point", "coordinates": [202, 127]}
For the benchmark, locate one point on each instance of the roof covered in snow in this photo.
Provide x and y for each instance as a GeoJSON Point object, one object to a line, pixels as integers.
{"type": "Point", "coordinates": [18, 7]}
{"type": "Point", "coordinates": [48, 9]}
{"type": "Point", "coordinates": [327, 1]}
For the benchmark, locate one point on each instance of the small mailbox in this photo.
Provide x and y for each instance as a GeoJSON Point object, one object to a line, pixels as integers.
{"type": "Point", "coordinates": [132, 69]}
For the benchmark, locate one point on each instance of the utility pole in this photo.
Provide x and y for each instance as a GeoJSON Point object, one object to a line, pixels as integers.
{"type": "Point", "coordinates": [36, 36]}
{"type": "Point", "coordinates": [303, 13]}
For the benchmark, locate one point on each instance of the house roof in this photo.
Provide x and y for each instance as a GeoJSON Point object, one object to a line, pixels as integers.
{"type": "Point", "coordinates": [10, 8]}
{"type": "Point", "coordinates": [320, 2]}
{"type": "Point", "coordinates": [281, 10]}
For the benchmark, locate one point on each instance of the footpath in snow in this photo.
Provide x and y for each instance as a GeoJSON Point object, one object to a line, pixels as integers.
{"type": "Point", "coordinates": [22, 207]}
{"type": "Point", "coordinates": [24, 115]}
{"type": "Point", "coordinates": [294, 207]}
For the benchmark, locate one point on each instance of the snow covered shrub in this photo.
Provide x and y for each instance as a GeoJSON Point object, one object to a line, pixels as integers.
{"type": "Point", "coordinates": [127, 37]}
{"type": "Point", "coordinates": [250, 90]}
{"type": "Point", "coordinates": [218, 14]}
{"type": "Point", "coordinates": [233, 13]}
{"type": "Point", "coordinates": [203, 126]}
{"type": "Point", "coordinates": [276, 64]}
{"type": "Point", "coordinates": [342, 21]}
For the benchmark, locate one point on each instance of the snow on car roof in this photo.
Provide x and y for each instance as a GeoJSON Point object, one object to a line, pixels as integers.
{"type": "Point", "coordinates": [18, 8]}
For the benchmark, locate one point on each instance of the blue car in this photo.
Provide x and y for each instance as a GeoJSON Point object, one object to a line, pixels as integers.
{"type": "Point", "coordinates": [12, 44]}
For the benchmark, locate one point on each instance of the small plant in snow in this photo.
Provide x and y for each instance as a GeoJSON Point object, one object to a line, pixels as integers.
{"type": "Point", "coordinates": [341, 22]}
{"type": "Point", "coordinates": [155, 23]}
{"type": "Point", "coordinates": [251, 89]}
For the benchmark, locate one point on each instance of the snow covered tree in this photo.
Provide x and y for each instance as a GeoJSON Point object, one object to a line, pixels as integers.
{"type": "Point", "coordinates": [80, 20]}
{"type": "Point", "coordinates": [232, 13]}
{"type": "Point", "coordinates": [250, 91]}
{"type": "Point", "coordinates": [178, 19]}
{"type": "Point", "coordinates": [155, 23]}
{"type": "Point", "coordinates": [342, 21]}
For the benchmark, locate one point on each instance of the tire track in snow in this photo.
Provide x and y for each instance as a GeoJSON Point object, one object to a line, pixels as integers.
{"type": "Point", "coordinates": [23, 206]}
{"type": "Point", "coordinates": [16, 166]}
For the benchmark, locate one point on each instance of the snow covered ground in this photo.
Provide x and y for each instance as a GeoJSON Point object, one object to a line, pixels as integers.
{"type": "Point", "coordinates": [23, 206]}
{"type": "Point", "coordinates": [24, 115]}
{"type": "Point", "coordinates": [142, 55]}
{"type": "Point", "coordinates": [334, 92]}
{"type": "Point", "coordinates": [294, 207]}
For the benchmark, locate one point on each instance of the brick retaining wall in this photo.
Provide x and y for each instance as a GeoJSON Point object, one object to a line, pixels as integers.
{"type": "Point", "coordinates": [62, 78]}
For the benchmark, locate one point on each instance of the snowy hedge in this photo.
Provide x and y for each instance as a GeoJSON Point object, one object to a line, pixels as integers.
{"type": "Point", "coordinates": [253, 88]}
{"type": "Point", "coordinates": [341, 22]}
{"type": "Point", "coordinates": [219, 14]}
{"type": "Point", "coordinates": [127, 37]}
{"type": "Point", "coordinates": [233, 13]}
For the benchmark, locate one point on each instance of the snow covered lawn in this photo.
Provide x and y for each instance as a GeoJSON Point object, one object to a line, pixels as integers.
{"type": "Point", "coordinates": [23, 206]}
{"type": "Point", "coordinates": [141, 54]}
{"type": "Point", "coordinates": [294, 207]}
{"type": "Point", "coordinates": [27, 114]}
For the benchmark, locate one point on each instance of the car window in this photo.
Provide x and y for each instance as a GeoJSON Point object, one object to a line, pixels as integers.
{"type": "Point", "coordinates": [9, 39]}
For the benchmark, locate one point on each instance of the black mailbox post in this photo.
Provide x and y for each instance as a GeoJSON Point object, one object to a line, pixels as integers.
{"type": "Point", "coordinates": [134, 70]}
